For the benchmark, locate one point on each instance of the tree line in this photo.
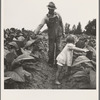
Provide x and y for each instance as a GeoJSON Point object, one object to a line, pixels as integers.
{"type": "Point", "coordinates": [90, 28]}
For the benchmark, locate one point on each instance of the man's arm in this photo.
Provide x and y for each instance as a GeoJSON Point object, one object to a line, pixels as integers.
{"type": "Point", "coordinates": [61, 24]}
{"type": "Point", "coordinates": [40, 26]}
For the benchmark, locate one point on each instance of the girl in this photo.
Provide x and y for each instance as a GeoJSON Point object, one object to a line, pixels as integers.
{"type": "Point", "coordinates": [66, 55]}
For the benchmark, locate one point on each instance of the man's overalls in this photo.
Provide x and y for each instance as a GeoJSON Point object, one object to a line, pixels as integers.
{"type": "Point", "coordinates": [54, 35]}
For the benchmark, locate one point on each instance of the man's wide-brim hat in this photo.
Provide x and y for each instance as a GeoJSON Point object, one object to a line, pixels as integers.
{"type": "Point", "coordinates": [51, 5]}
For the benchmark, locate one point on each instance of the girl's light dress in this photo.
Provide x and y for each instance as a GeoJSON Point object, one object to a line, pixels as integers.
{"type": "Point", "coordinates": [66, 55]}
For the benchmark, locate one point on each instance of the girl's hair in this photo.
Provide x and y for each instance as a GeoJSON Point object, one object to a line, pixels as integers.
{"type": "Point", "coordinates": [70, 39]}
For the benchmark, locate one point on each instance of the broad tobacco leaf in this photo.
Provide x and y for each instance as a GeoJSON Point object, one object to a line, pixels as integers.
{"type": "Point", "coordinates": [7, 78]}
{"type": "Point", "coordinates": [80, 74]}
{"type": "Point", "coordinates": [79, 60]}
{"type": "Point", "coordinates": [22, 73]}
{"type": "Point", "coordinates": [23, 57]}
{"type": "Point", "coordinates": [93, 79]}
{"type": "Point", "coordinates": [14, 76]}
{"type": "Point", "coordinates": [6, 52]}
{"type": "Point", "coordinates": [10, 57]}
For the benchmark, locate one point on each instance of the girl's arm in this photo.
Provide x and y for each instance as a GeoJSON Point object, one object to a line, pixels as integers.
{"type": "Point", "coordinates": [78, 49]}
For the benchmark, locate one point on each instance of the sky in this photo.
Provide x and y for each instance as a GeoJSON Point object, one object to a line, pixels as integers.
{"type": "Point", "coordinates": [29, 13]}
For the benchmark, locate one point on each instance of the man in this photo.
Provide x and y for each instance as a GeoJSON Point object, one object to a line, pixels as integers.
{"type": "Point", "coordinates": [55, 31]}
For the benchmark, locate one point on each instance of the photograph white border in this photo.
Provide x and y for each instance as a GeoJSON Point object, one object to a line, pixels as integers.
{"type": "Point", "coordinates": [47, 94]}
